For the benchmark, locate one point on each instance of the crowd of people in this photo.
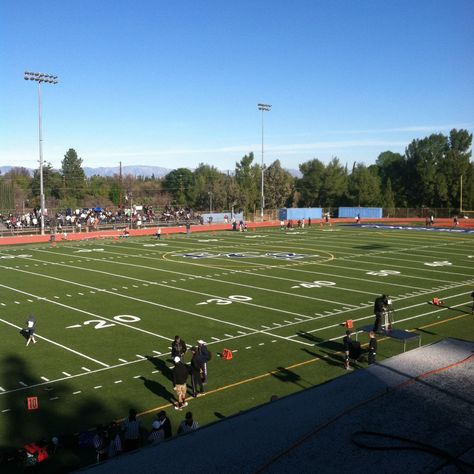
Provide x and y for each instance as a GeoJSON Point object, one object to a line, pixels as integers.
{"type": "Point", "coordinates": [130, 434]}
{"type": "Point", "coordinates": [176, 214]}
{"type": "Point", "coordinates": [116, 438]}
{"type": "Point", "coordinates": [91, 218]}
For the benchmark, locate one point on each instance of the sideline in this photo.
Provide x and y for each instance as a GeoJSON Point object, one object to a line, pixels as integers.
{"type": "Point", "coordinates": [294, 366]}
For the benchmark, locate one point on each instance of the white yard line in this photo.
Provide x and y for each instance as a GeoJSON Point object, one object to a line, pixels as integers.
{"type": "Point", "coordinates": [88, 313]}
{"type": "Point", "coordinates": [190, 313]}
{"type": "Point", "coordinates": [57, 344]}
{"type": "Point", "coordinates": [382, 253]}
{"type": "Point", "coordinates": [287, 267]}
{"type": "Point", "coordinates": [398, 311]}
{"type": "Point", "coordinates": [242, 333]}
{"type": "Point", "coordinates": [212, 279]}
{"type": "Point", "coordinates": [223, 340]}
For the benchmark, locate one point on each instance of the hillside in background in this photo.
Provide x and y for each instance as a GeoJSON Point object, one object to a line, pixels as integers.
{"type": "Point", "coordinates": [145, 171]}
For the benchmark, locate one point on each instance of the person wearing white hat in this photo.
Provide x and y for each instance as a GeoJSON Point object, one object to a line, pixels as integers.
{"type": "Point", "coordinates": [157, 435]}
{"type": "Point", "coordinates": [180, 378]}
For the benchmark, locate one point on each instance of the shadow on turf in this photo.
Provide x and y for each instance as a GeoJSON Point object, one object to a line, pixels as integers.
{"type": "Point", "coordinates": [459, 310]}
{"type": "Point", "coordinates": [157, 389]}
{"type": "Point", "coordinates": [330, 358]}
{"type": "Point", "coordinates": [21, 426]}
{"type": "Point", "coordinates": [285, 375]}
{"type": "Point", "coordinates": [331, 345]}
{"type": "Point", "coordinates": [372, 247]}
{"type": "Point", "coordinates": [161, 365]}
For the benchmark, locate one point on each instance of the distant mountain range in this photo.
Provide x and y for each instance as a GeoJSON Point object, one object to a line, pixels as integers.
{"type": "Point", "coordinates": [145, 171]}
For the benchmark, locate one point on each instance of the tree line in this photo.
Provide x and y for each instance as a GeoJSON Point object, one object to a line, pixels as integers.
{"type": "Point", "coordinates": [434, 172]}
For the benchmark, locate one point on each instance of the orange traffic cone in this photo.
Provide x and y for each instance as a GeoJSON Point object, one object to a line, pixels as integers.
{"type": "Point", "coordinates": [227, 354]}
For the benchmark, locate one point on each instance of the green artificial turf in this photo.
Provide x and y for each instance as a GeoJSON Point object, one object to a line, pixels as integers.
{"type": "Point", "coordinates": [107, 311]}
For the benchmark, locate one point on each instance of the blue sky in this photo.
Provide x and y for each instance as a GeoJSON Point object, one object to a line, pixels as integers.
{"type": "Point", "coordinates": [176, 83]}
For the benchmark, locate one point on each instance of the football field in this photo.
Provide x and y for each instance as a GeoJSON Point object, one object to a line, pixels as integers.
{"type": "Point", "coordinates": [107, 311]}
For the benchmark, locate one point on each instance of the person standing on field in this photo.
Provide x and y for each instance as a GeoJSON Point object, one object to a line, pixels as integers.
{"type": "Point", "coordinates": [178, 348]}
{"type": "Point", "coordinates": [30, 329]}
{"type": "Point", "coordinates": [205, 354]}
{"type": "Point", "coordinates": [180, 378]}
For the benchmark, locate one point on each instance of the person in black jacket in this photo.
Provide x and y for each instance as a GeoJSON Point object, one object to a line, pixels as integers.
{"type": "Point", "coordinates": [206, 357]}
{"type": "Point", "coordinates": [178, 348]}
{"type": "Point", "coordinates": [197, 371]}
{"type": "Point", "coordinates": [372, 347]}
{"type": "Point", "coordinates": [379, 310]}
{"type": "Point", "coordinates": [180, 378]}
{"type": "Point", "coordinates": [346, 341]}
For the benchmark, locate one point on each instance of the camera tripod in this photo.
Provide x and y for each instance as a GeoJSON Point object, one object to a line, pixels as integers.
{"type": "Point", "coordinates": [389, 319]}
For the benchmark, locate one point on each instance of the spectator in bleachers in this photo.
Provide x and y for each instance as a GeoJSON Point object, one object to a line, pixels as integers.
{"type": "Point", "coordinates": [115, 441]}
{"type": "Point", "coordinates": [188, 425]}
{"type": "Point", "coordinates": [131, 429]}
{"type": "Point", "coordinates": [156, 435]}
{"type": "Point", "coordinates": [101, 441]}
{"type": "Point", "coordinates": [165, 424]}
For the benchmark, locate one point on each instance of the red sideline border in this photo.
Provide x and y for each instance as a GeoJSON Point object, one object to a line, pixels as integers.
{"type": "Point", "coordinates": [115, 234]}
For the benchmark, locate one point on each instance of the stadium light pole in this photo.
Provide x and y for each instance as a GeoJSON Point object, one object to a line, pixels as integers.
{"type": "Point", "coordinates": [210, 201]}
{"type": "Point", "coordinates": [263, 108]}
{"type": "Point", "coordinates": [40, 77]}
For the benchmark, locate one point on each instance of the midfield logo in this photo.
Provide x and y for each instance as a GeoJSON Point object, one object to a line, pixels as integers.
{"type": "Point", "coordinates": [278, 255]}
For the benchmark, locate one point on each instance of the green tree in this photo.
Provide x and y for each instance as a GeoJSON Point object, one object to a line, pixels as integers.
{"type": "Point", "coordinates": [20, 181]}
{"type": "Point", "coordinates": [278, 186]}
{"type": "Point", "coordinates": [248, 179]}
{"type": "Point", "coordinates": [392, 166]}
{"type": "Point", "coordinates": [52, 185]}
{"type": "Point", "coordinates": [179, 184]}
{"type": "Point", "coordinates": [364, 186]}
{"type": "Point", "coordinates": [98, 189]}
{"type": "Point", "coordinates": [456, 163]}
{"type": "Point", "coordinates": [73, 176]}
{"type": "Point", "coordinates": [468, 189]}
{"type": "Point", "coordinates": [209, 184]}
{"type": "Point", "coordinates": [388, 196]}
{"type": "Point", "coordinates": [335, 184]}
{"type": "Point", "coordinates": [423, 161]}
{"type": "Point", "coordinates": [310, 185]}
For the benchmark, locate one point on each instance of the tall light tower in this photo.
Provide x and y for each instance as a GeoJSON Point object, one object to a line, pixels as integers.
{"type": "Point", "coordinates": [263, 108]}
{"type": "Point", "coordinates": [40, 77]}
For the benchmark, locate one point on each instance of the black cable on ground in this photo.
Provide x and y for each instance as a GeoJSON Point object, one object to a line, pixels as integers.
{"type": "Point", "coordinates": [409, 444]}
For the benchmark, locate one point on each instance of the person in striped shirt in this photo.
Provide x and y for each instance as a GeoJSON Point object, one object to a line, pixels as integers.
{"type": "Point", "coordinates": [157, 435]}
{"type": "Point", "coordinates": [131, 429]}
{"type": "Point", "coordinates": [188, 424]}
